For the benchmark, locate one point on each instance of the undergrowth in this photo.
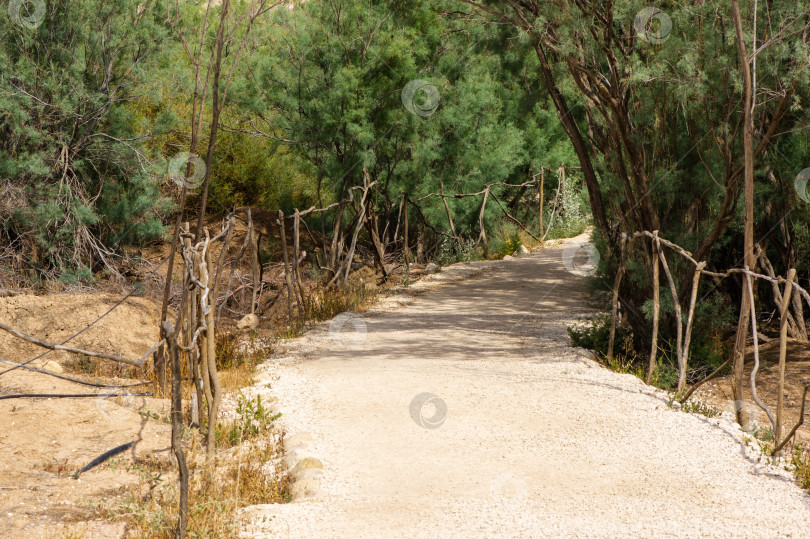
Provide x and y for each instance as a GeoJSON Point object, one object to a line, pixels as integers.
{"type": "Point", "coordinates": [706, 352]}
{"type": "Point", "coordinates": [251, 473]}
{"type": "Point", "coordinates": [252, 419]}
{"type": "Point", "coordinates": [255, 474]}
{"type": "Point", "coordinates": [800, 460]}
{"type": "Point", "coordinates": [327, 303]}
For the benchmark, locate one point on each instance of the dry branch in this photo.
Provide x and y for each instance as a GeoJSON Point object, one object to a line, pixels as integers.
{"type": "Point", "coordinates": [72, 350]}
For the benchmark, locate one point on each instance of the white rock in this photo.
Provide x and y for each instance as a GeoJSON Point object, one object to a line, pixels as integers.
{"type": "Point", "coordinates": [53, 366]}
{"type": "Point", "coordinates": [250, 321]}
{"type": "Point", "coordinates": [524, 250]}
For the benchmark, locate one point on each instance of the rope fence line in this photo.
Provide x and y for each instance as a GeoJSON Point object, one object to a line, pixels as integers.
{"type": "Point", "coordinates": [93, 323]}
{"type": "Point", "coordinates": [189, 343]}
{"type": "Point", "coordinates": [683, 336]}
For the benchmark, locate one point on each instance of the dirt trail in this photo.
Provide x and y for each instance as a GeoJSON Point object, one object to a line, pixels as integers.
{"type": "Point", "coordinates": [536, 440]}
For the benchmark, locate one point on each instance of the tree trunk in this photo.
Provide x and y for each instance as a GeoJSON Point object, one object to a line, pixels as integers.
{"type": "Point", "coordinates": [572, 129]}
{"type": "Point", "coordinates": [750, 259]}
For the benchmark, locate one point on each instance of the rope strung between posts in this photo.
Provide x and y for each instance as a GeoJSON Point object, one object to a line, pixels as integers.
{"type": "Point", "coordinates": [69, 379]}
{"type": "Point", "coordinates": [97, 320]}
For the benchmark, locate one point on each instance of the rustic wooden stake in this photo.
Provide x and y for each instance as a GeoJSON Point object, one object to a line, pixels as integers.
{"type": "Point", "coordinates": [334, 255]}
{"type": "Point", "coordinates": [798, 311]}
{"type": "Point", "coordinates": [656, 310]}
{"type": "Point", "coordinates": [755, 369]}
{"type": "Point", "coordinates": [189, 327]}
{"type": "Point", "coordinates": [287, 267]}
{"type": "Point", "coordinates": [177, 427]}
{"type": "Point", "coordinates": [783, 327]}
{"type": "Point", "coordinates": [689, 319]}
{"type": "Point", "coordinates": [201, 345]}
{"type": "Point", "coordinates": [615, 301]}
{"type": "Point", "coordinates": [361, 219]}
{"type": "Point", "coordinates": [542, 186]}
{"type": "Point", "coordinates": [210, 343]}
{"type": "Point", "coordinates": [295, 275]}
{"type": "Point", "coordinates": [405, 234]}
{"type": "Point", "coordinates": [482, 237]}
{"type": "Point", "coordinates": [254, 262]}
{"type": "Point", "coordinates": [449, 215]}
{"type": "Point", "coordinates": [678, 317]}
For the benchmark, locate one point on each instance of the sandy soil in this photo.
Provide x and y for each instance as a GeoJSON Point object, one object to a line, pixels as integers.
{"type": "Point", "coordinates": [717, 393]}
{"type": "Point", "coordinates": [518, 435]}
{"type": "Point", "coordinates": [43, 441]}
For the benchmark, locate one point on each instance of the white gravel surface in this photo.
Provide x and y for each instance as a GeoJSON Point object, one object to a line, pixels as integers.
{"type": "Point", "coordinates": [536, 441]}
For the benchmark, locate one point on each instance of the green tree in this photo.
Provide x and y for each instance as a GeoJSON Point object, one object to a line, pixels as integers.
{"type": "Point", "coordinates": [71, 150]}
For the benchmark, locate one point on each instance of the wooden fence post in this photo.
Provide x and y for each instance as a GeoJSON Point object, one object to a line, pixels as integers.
{"type": "Point", "coordinates": [689, 319]}
{"type": "Point", "coordinates": [287, 269]}
{"type": "Point", "coordinates": [254, 261]}
{"type": "Point", "coordinates": [615, 301]}
{"type": "Point", "coordinates": [449, 215]}
{"type": "Point", "coordinates": [177, 427]}
{"type": "Point", "coordinates": [405, 233]}
{"type": "Point", "coordinates": [676, 304]}
{"type": "Point", "coordinates": [783, 327]}
{"type": "Point", "coordinates": [295, 272]}
{"type": "Point", "coordinates": [542, 186]}
{"type": "Point", "coordinates": [482, 237]}
{"type": "Point", "coordinates": [209, 343]}
{"type": "Point", "coordinates": [753, 378]}
{"type": "Point", "coordinates": [656, 309]}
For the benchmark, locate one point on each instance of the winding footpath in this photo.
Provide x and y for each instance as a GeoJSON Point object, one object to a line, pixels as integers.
{"type": "Point", "coordinates": [463, 412]}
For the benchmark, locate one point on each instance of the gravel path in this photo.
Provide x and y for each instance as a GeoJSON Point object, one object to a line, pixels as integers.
{"type": "Point", "coordinates": [523, 437]}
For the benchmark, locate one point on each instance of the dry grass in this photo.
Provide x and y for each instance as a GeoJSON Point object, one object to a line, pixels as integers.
{"type": "Point", "coordinates": [327, 303]}
{"type": "Point", "coordinates": [61, 467]}
{"type": "Point", "coordinates": [253, 473]}
{"type": "Point", "coordinates": [104, 368]}
{"type": "Point", "coordinates": [248, 470]}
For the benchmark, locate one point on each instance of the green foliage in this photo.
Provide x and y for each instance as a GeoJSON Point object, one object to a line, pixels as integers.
{"type": "Point", "coordinates": [252, 419]}
{"type": "Point", "coordinates": [71, 148]}
{"type": "Point", "coordinates": [451, 251]}
{"type": "Point", "coordinates": [697, 407]}
{"type": "Point", "coordinates": [800, 460]}
{"type": "Point", "coordinates": [506, 239]}
{"type": "Point", "coordinates": [336, 89]}
{"type": "Point", "coordinates": [595, 335]}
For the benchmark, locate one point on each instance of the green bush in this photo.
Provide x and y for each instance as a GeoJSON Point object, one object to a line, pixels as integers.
{"type": "Point", "coordinates": [505, 240]}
